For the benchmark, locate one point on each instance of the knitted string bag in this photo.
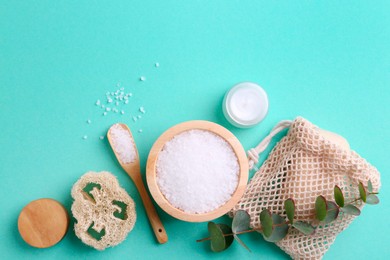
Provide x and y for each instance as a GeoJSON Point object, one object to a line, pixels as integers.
{"type": "Point", "coordinates": [306, 163]}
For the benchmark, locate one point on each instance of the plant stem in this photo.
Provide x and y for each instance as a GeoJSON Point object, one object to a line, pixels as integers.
{"type": "Point", "coordinates": [277, 225]}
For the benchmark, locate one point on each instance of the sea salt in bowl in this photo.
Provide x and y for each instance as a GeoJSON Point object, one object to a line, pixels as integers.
{"type": "Point", "coordinates": [197, 171]}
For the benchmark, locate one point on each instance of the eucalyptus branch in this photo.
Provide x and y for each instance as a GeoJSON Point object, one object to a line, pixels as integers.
{"type": "Point", "coordinates": [274, 227]}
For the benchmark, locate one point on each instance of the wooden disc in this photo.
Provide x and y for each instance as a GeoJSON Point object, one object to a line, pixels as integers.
{"type": "Point", "coordinates": [43, 223]}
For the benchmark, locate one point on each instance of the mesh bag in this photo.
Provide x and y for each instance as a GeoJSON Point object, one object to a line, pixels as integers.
{"type": "Point", "coordinates": [302, 166]}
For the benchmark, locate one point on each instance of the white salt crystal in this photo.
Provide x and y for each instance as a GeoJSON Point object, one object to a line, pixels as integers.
{"type": "Point", "coordinates": [142, 78]}
{"type": "Point", "coordinates": [109, 100]}
{"type": "Point", "coordinates": [89, 121]}
{"type": "Point", "coordinates": [85, 137]}
{"type": "Point", "coordinates": [123, 144]}
{"type": "Point", "coordinates": [108, 109]}
{"type": "Point", "coordinates": [140, 131]}
{"type": "Point", "coordinates": [142, 110]}
{"type": "Point", "coordinates": [122, 88]}
{"type": "Point", "coordinates": [117, 103]}
{"type": "Point", "coordinates": [197, 171]}
{"type": "Point", "coordinates": [122, 112]}
{"type": "Point", "coordinates": [126, 101]}
{"type": "Point", "coordinates": [97, 102]}
{"type": "Point", "coordinates": [135, 118]}
{"type": "Point", "coordinates": [130, 94]}
{"type": "Point", "coordinates": [157, 64]}
{"type": "Point", "coordinates": [101, 137]}
{"type": "Point", "coordinates": [139, 116]}
{"type": "Point", "coordinates": [102, 106]}
{"type": "Point", "coordinates": [105, 113]}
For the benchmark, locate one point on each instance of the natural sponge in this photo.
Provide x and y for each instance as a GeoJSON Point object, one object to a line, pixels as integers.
{"type": "Point", "coordinates": [104, 212]}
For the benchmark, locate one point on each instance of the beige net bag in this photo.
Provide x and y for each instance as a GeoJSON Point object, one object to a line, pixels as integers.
{"type": "Point", "coordinates": [306, 163]}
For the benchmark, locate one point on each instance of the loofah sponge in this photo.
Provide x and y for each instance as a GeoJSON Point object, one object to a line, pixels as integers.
{"type": "Point", "coordinates": [104, 212]}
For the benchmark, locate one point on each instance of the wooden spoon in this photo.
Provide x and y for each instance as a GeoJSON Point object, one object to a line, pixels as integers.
{"type": "Point", "coordinates": [133, 170]}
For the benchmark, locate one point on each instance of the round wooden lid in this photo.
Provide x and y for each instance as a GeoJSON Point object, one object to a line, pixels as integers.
{"type": "Point", "coordinates": [43, 223]}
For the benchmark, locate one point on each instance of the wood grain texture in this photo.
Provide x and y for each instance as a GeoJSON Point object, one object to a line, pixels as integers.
{"type": "Point", "coordinates": [168, 135]}
{"type": "Point", "coordinates": [134, 171]}
{"type": "Point", "coordinates": [43, 223]}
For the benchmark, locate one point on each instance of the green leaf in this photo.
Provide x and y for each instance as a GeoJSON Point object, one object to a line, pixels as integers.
{"type": "Point", "coordinates": [241, 221]}
{"type": "Point", "coordinates": [333, 212]}
{"type": "Point", "coordinates": [280, 231]}
{"type": "Point", "coordinates": [218, 243]}
{"type": "Point", "coordinates": [266, 222]}
{"type": "Point", "coordinates": [304, 227]}
{"type": "Point", "coordinates": [242, 243]}
{"type": "Point", "coordinates": [321, 208]}
{"type": "Point", "coordinates": [338, 196]}
{"type": "Point", "coordinates": [362, 192]}
{"type": "Point", "coordinates": [289, 206]}
{"type": "Point", "coordinates": [351, 210]}
{"type": "Point", "coordinates": [226, 230]}
{"type": "Point", "coordinates": [372, 199]}
{"type": "Point", "coordinates": [369, 186]}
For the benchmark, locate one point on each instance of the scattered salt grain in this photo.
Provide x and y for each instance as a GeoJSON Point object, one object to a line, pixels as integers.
{"type": "Point", "coordinates": [157, 64]}
{"type": "Point", "coordinates": [197, 171]}
{"type": "Point", "coordinates": [123, 144]}
{"type": "Point", "coordinates": [102, 106]}
{"type": "Point", "coordinates": [122, 112]}
{"type": "Point", "coordinates": [117, 103]}
{"type": "Point", "coordinates": [142, 110]}
{"type": "Point", "coordinates": [97, 102]}
{"type": "Point", "coordinates": [140, 131]}
{"type": "Point", "coordinates": [135, 118]}
{"type": "Point", "coordinates": [89, 121]}
{"type": "Point", "coordinates": [85, 137]}
{"type": "Point", "coordinates": [139, 116]}
{"type": "Point", "coordinates": [108, 109]}
{"type": "Point", "coordinates": [142, 78]}
{"type": "Point", "coordinates": [126, 101]}
{"type": "Point", "coordinates": [105, 113]}
{"type": "Point", "coordinates": [101, 137]}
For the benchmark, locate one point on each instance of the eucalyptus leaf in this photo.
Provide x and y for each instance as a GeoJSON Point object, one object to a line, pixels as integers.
{"type": "Point", "coordinates": [338, 196]}
{"type": "Point", "coordinates": [217, 239]}
{"type": "Point", "coordinates": [362, 192]}
{"type": "Point", "coordinates": [266, 222]}
{"type": "Point", "coordinates": [369, 186]}
{"type": "Point", "coordinates": [321, 208]}
{"type": "Point", "coordinates": [279, 231]}
{"type": "Point", "coordinates": [372, 199]}
{"type": "Point", "coordinates": [351, 210]}
{"type": "Point", "coordinates": [333, 212]}
{"type": "Point", "coordinates": [241, 221]}
{"type": "Point", "coordinates": [304, 227]}
{"type": "Point", "coordinates": [226, 230]}
{"type": "Point", "coordinates": [242, 243]}
{"type": "Point", "coordinates": [289, 206]}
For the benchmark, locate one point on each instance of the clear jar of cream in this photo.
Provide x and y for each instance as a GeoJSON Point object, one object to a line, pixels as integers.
{"type": "Point", "coordinates": [245, 105]}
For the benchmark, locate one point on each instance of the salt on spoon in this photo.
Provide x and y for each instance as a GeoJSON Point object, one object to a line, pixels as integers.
{"type": "Point", "coordinates": [125, 150]}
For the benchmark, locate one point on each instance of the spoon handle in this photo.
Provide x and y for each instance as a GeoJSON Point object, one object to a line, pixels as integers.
{"type": "Point", "coordinates": [154, 219]}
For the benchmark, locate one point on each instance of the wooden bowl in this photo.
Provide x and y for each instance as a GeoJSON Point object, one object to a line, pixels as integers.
{"type": "Point", "coordinates": [167, 136]}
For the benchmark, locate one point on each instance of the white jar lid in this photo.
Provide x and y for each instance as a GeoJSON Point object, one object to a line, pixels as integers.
{"type": "Point", "coordinates": [245, 105]}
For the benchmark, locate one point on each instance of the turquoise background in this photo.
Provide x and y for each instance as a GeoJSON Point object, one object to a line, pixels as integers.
{"type": "Point", "coordinates": [328, 61]}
